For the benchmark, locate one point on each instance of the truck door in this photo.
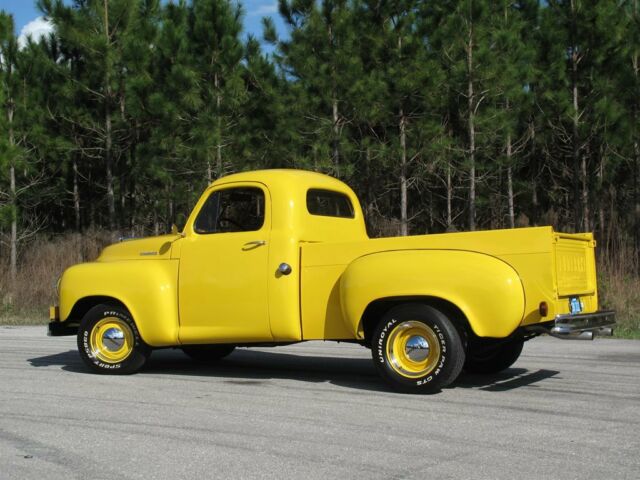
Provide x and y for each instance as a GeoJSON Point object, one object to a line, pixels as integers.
{"type": "Point", "coordinates": [223, 267]}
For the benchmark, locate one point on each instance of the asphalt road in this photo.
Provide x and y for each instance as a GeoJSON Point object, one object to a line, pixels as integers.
{"type": "Point", "coordinates": [567, 409]}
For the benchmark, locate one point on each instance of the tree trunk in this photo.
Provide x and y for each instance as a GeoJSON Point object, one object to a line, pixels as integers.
{"type": "Point", "coordinates": [404, 229]}
{"type": "Point", "coordinates": [535, 203]}
{"type": "Point", "coordinates": [512, 218]}
{"type": "Point", "coordinates": [76, 193]}
{"type": "Point", "coordinates": [108, 143]}
{"type": "Point", "coordinates": [471, 132]}
{"type": "Point", "coordinates": [600, 196]}
{"type": "Point", "coordinates": [580, 180]}
{"type": "Point", "coordinates": [219, 166]}
{"type": "Point", "coordinates": [369, 208]}
{"type": "Point", "coordinates": [156, 221]}
{"type": "Point", "coordinates": [636, 141]}
{"type": "Point", "coordinates": [334, 110]}
{"type": "Point", "coordinates": [449, 198]}
{"type": "Point", "coordinates": [13, 200]}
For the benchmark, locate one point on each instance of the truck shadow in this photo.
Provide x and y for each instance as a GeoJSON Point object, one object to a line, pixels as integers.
{"type": "Point", "coordinates": [253, 367]}
{"type": "Point", "coordinates": [503, 381]}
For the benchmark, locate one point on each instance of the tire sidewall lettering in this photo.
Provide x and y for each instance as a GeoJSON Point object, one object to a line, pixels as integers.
{"type": "Point", "coordinates": [131, 363]}
{"type": "Point", "coordinates": [380, 349]}
{"type": "Point", "coordinates": [127, 319]}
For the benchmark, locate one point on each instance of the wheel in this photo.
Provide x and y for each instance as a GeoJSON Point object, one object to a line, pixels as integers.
{"type": "Point", "coordinates": [208, 353]}
{"type": "Point", "coordinates": [492, 357]}
{"type": "Point", "coordinates": [416, 349]}
{"type": "Point", "coordinates": [109, 341]}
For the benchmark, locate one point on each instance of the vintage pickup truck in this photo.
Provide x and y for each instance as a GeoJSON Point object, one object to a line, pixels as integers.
{"type": "Point", "coordinates": [275, 257]}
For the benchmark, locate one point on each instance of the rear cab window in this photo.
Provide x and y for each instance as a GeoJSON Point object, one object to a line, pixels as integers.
{"type": "Point", "coordinates": [328, 203]}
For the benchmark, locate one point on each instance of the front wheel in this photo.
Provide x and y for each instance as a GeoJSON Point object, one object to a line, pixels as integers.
{"type": "Point", "coordinates": [417, 349]}
{"type": "Point", "coordinates": [109, 341]}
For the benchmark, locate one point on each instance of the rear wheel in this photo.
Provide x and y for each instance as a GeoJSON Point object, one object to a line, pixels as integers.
{"type": "Point", "coordinates": [416, 348]}
{"type": "Point", "coordinates": [208, 353]}
{"type": "Point", "coordinates": [492, 357]}
{"type": "Point", "coordinates": [109, 341]}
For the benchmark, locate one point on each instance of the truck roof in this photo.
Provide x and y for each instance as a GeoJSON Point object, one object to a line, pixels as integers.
{"type": "Point", "coordinates": [292, 177]}
{"type": "Point", "coordinates": [288, 190]}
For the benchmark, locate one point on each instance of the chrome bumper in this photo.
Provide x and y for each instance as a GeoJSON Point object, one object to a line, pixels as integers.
{"type": "Point", "coordinates": [578, 327]}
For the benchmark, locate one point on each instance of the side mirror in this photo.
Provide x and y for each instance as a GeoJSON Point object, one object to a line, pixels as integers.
{"type": "Point", "coordinates": [174, 229]}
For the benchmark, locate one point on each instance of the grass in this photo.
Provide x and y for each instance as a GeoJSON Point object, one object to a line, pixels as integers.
{"type": "Point", "coordinates": [35, 317]}
{"type": "Point", "coordinates": [27, 302]}
{"type": "Point", "coordinates": [619, 290]}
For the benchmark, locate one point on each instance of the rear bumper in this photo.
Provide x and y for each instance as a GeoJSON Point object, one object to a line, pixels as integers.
{"type": "Point", "coordinates": [581, 327]}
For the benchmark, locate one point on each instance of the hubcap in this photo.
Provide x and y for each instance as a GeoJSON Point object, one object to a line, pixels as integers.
{"type": "Point", "coordinates": [111, 340]}
{"type": "Point", "coordinates": [417, 349]}
{"type": "Point", "coordinates": [413, 349]}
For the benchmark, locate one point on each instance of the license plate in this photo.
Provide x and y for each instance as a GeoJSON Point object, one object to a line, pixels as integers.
{"type": "Point", "coordinates": [575, 305]}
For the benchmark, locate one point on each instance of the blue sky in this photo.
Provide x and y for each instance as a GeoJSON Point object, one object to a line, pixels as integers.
{"type": "Point", "coordinates": [25, 15]}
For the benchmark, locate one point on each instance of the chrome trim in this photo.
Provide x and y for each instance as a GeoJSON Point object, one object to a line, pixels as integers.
{"type": "Point", "coordinates": [417, 348]}
{"type": "Point", "coordinates": [284, 269]}
{"type": "Point", "coordinates": [113, 339]}
{"type": "Point", "coordinates": [578, 327]}
{"type": "Point", "coordinates": [253, 244]}
{"type": "Point", "coordinates": [567, 323]}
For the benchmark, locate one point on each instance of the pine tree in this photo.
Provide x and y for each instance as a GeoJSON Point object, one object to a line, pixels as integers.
{"type": "Point", "coordinates": [513, 72]}
{"type": "Point", "coordinates": [214, 36]}
{"type": "Point", "coordinates": [95, 30]}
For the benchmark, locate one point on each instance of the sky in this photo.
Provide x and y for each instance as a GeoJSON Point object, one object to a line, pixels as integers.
{"type": "Point", "coordinates": [29, 20]}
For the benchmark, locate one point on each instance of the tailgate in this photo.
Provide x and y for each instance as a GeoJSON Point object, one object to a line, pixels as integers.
{"type": "Point", "coordinates": [575, 264]}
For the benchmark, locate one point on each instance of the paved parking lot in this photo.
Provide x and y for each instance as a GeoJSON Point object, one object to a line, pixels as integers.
{"type": "Point", "coordinates": [567, 409]}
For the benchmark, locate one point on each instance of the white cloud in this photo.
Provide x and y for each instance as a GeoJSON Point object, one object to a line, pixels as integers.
{"type": "Point", "coordinates": [36, 29]}
{"type": "Point", "coordinates": [262, 10]}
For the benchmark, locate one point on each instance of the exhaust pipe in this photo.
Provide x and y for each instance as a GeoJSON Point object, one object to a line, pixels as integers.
{"type": "Point", "coordinates": [568, 333]}
{"type": "Point", "coordinates": [605, 332]}
{"type": "Point", "coordinates": [564, 334]}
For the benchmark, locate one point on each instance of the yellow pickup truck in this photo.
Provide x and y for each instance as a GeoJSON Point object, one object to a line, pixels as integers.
{"type": "Point", "coordinates": [275, 257]}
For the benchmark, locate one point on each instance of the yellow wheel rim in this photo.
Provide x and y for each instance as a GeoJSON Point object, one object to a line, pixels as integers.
{"type": "Point", "coordinates": [111, 340]}
{"type": "Point", "coordinates": [413, 349]}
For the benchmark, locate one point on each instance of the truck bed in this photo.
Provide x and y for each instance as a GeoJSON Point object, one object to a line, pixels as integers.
{"type": "Point", "coordinates": [552, 266]}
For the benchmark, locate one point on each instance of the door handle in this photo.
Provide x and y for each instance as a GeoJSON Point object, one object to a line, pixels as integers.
{"type": "Point", "coordinates": [253, 244]}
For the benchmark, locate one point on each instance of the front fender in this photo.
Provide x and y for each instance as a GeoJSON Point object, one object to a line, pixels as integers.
{"type": "Point", "coordinates": [147, 288]}
{"type": "Point", "coordinates": [486, 289]}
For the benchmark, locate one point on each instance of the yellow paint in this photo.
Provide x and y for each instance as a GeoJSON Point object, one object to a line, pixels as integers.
{"type": "Point", "coordinates": [223, 283]}
{"type": "Point", "coordinates": [142, 249]}
{"type": "Point", "coordinates": [148, 288]}
{"type": "Point", "coordinates": [397, 344]}
{"type": "Point", "coordinates": [486, 289]}
{"type": "Point", "coordinates": [105, 352]}
{"type": "Point", "coordinates": [191, 288]}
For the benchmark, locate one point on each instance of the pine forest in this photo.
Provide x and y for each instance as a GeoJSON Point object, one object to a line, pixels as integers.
{"type": "Point", "coordinates": [442, 116]}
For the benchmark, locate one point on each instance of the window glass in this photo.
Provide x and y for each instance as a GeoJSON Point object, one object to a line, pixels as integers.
{"type": "Point", "coordinates": [329, 204]}
{"type": "Point", "coordinates": [232, 210]}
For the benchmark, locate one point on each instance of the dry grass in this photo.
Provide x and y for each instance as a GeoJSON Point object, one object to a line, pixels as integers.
{"type": "Point", "coordinates": [46, 258]}
{"type": "Point", "coordinates": [41, 264]}
{"type": "Point", "coordinates": [619, 290]}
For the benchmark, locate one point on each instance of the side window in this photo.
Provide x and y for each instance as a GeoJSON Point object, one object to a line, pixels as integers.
{"type": "Point", "coordinates": [232, 210]}
{"type": "Point", "coordinates": [329, 204]}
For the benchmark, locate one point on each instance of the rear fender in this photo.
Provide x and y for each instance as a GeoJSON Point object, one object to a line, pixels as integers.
{"type": "Point", "coordinates": [487, 290]}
